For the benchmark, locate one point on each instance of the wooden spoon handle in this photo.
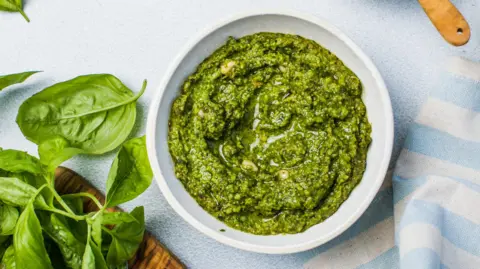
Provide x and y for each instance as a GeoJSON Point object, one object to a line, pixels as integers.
{"type": "Point", "coordinates": [448, 21]}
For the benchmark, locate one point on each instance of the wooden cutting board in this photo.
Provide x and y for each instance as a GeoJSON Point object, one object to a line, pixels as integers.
{"type": "Point", "coordinates": [151, 253]}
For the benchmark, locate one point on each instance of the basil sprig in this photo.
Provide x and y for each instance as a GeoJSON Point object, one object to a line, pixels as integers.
{"type": "Point", "coordinates": [91, 114]}
{"type": "Point", "coordinates": [13, 6]}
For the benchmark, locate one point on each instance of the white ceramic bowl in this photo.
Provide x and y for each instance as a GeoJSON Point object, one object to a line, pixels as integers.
{"type": "Point", "coordinates": [375, 97]}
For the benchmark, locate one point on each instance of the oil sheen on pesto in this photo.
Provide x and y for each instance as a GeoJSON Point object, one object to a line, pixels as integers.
{"type": "Point", "coordinates": [270, 134]}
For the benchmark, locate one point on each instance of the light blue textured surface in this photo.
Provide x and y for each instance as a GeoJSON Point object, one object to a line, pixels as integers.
{"type": "Point", "coordinates": [138, 39]}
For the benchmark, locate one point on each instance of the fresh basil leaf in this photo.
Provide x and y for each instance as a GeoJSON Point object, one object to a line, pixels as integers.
{"type": "Point", "coordinates": [13, 6]}
{"type": "Point", "coordinates": [28, 241]}
{"type": "Point", "coordinates": [93, 113]}
{"type": "Point", "coordinates": [8, 259]}
{"type": "Point", "coordinates": [21, 165]}
{"type": "Point", "coordinates": [78, 228]}
{"type": "Point", "coordinates": [97, 229]}
{"type": "Point", "coordinates": [36, 181]}
{"type": "Point", "coordinates": [12, 79]}
{"type": "Point", "coordinates": [115, 218]}
{"type": "Point", "coordinates": [18, 193]}
{"type": "Point", "coordinates": [16, 161]}
{"type": "Point", "coordinates": [126, 239]}
{"type": "Point", "coordinates": [88, 261]}
{"type": "Point", "coordinates": [130, 174]}
{"type": "Point", "coordinates": [8, 219]}
{"type": "Point", "coordinates": [93, 258]}
{"type": "Point", "coordinates": [100, 262]}
{"type": "Point", "coordinates": [55, 151]}
{"type": "Point", "coordinates": [33, 180]}
{"type": "Point", "coordinates": [58, 229]}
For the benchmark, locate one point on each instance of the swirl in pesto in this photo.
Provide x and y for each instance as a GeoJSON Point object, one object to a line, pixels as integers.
{"type": "Point", "coordinates": [270, 134]}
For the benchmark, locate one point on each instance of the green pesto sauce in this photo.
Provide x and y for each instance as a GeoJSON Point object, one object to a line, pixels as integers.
{"type": "Point", "coordinates": [270, 134]}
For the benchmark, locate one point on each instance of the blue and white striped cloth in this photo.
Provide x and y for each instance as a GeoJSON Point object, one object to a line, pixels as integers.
{"type": "Point", "coordinates": [429, 217]}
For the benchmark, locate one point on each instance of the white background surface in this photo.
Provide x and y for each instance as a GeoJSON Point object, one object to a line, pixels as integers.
{"type": "Point", "coordinates": [138, 39]}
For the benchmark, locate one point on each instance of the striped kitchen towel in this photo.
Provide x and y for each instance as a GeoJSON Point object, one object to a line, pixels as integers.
{"type": "Point", "coordinates": [430, 217]}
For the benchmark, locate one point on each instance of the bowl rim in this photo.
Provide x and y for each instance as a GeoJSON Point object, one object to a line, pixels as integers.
{"type": "Point", "coordinates": [153, 114]}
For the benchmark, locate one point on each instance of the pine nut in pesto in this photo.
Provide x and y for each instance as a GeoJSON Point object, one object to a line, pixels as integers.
{"type": "Point", "coordinates": [270, 134]}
